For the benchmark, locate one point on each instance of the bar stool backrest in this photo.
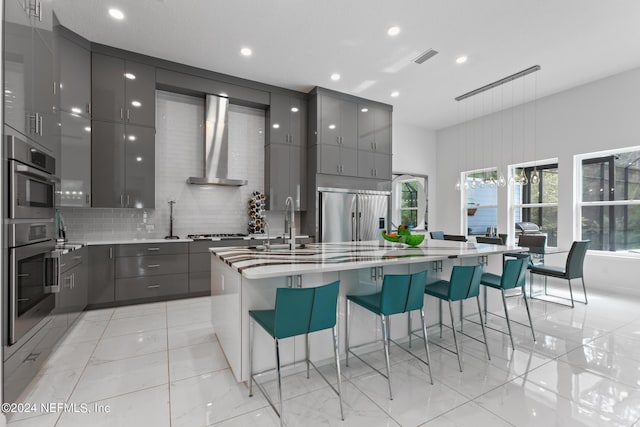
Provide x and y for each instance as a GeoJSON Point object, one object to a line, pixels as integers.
{"type": "Point", "coordinates": [489, 240]}
{"type": "Point", "coordinates": [535, 243]}
{"type": "Point", "coordinates": [299, 311]}
{"type": "Point", "coordinates": [415, 298]}
{"type": "Point", "coordinates": [465, 282]}
{"type": "Point", "coordinates": [514, 273]}
{"type": "Point", "coordinates": [575, 259]}
{"type": "Point", "coordinates": [325, 301]}
{"type": "Point", "coordinates": [393, 298]}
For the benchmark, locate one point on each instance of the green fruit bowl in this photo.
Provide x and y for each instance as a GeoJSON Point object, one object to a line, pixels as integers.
{"type": "Point", "coordinates": [411, 240]}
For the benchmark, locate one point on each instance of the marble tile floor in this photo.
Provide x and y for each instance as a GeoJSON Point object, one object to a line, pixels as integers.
{"type": "Point", "coordinates": [160, 365]}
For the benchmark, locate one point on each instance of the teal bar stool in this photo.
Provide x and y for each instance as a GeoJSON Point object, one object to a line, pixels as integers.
{"type": "Point", "coordinates": [401, 293]}
{"type": "Point", "coordinates": [298, 311]}
{"type": "Point", "coordinates": [464, 284]}
{"type": "Point", "coordinates": [514, 273]}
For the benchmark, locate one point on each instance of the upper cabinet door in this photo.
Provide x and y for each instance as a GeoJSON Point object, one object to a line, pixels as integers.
{"type": "Point", "coordinates": [44, 94]}
{"type": "Point", "coordinates": [75, 162]}
{"type": "Point", "coordinates": [279, 116]}
{"type": "Point", "coordinates": [140, 93]}
{"type": "Point", "coordinates": [277, 176]}
{"type": "Point", "coordinates": [140, 169]}
{"type": "Point", "coordinates": [330, 129]}
{"type": "Point", "coordinates": [107, 88]}
{"type": "Point", "coordinates": [75, 78]}
{"type": "Point", "coordinates": [298, 122]}
{"type": "Point", "coordinates": [366, 128]}
{"type": "Point", "coordinates": [18, 66]}
{"type": "Point", "coordinates": [383, 131]}
{"type": "Point", "coordinates": [349, 124]}
{"type": "Point", "coordinates": [107, 165]}
{"type": "Point", "coordinates": [41, 12]}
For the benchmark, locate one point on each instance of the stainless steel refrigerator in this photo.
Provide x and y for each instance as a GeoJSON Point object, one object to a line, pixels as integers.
{"type": "Point", "coordinates": [348, 215]}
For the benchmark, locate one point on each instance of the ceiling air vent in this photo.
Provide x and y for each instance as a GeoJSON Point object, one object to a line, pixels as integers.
{"type": "Point", "coordinates": [425, 55]}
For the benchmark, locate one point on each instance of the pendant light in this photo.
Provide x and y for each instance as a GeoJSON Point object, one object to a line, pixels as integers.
{"type": "Point", "coordinates": [502, 182]}
{"type": "Point", "coordinates": [523, 176]}
{"type": "Point", "coordinates": [535, 179]}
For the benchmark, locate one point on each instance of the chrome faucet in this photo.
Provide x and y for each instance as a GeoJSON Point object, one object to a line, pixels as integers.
{"type": "Point", "coordinates": [267, 244]}
{"type": "Point", "coordinates": [290, 222]}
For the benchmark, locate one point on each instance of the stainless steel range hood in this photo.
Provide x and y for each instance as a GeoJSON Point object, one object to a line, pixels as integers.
{"type": "Point", "coordinates": [216, 145]}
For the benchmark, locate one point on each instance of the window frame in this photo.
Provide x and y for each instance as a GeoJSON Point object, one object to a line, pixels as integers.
{"type": "Point", "coordinates": [595, 158]}
{"type": "Point", "coordinates": [465, 197]}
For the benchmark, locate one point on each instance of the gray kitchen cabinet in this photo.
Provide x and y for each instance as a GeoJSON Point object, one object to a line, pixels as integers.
{"type": "Point", "coordinates": [144, 249]}
{"type": "Point", "coordinates": [75, 78]}
{"type": "Point", "coordinates": [287, 120]}
{"type": "Point", "coordinates": [338, 122]}
{"type": "Point", "coordinates": [122, 91]}
{"type": "Point", "coordinates": [30, 97]}
{"type": "Point", "coordinates": [107, 165]}
{"type": "Point", "coordinates": [139, 167]}
{"type": "Point", "coordinates": [285, 169]}
{"type": "Point", "coordinates": [374, 129]}
{"type": "Point", "coordinates": [123, 165]}
{"type": "Point", "coordinates": [74, 287]}
{"type": "Point", "coordinates": [75, 161]}
{"type": "Point", "coordinates": [146, 287]}
{"type": "Point", "coordinates": [337, 160]}
{"type": "Point", "coordinates": [374, 165]}
{"type": "Point", "coordinates": [101, 274]}
{"type": "Point", "coordinates": [154, 265]}
{"type": "Point", "coordinates": [200, 263]}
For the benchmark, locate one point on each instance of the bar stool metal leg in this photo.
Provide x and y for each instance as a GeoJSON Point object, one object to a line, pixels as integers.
{"type": "Point", "coordinates": [347, 332]}
{"type": "Point", "coordinates": [337, 356]}
{"type": "Point", "coordinates": [426, 343]}
{"type": "Point", "coordinates": [584, 288]}
{"type": "Point", "coordinates": [306, 345]}
{"type": "Point", "coordinates": [526, 304]}
{"type": "Point", "coordinates": [506, 316]}
{"type": "Point", "coordinates": [281, 414]}
{"type": "Point", "coordinates": [570, 291]}
{"type": "Point", "coordinates": [251, 333]}
{"type": "Point", "coordinates": [440, 315]}
{"type": "Point", "coordinates": [455, 338]}
{"type": "Point", "coordinates": [484, 333]}
{"type": "Point", "coordinates": [385, 339]}
{"type": "Point", "coordinates": [409, 326]}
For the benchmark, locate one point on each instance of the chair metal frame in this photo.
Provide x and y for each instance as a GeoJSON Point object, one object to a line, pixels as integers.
{"type": "Point", "coordinates": [253, 376]}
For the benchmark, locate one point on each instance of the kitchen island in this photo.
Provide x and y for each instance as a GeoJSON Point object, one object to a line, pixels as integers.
{"type": "Point", "coordinates": [244, 279]}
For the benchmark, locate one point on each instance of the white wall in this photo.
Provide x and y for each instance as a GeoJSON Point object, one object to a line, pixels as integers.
{"type": "Point", "coordinates": [414, 152]}
{"type": "Point", "coordinates": [596, 116]}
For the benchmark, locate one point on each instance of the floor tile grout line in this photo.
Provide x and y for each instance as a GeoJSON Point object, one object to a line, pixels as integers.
{"type": "Point", "coordinates": [85, 366]}
{"type": "Point", "coordinates": [166, 320]}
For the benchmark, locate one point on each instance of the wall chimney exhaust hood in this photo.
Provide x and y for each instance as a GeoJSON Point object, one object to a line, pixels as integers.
{"type": "Point", "coordinates": [216, 145]}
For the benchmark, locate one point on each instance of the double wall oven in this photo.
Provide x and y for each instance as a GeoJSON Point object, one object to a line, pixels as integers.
{"type": "Point", "coordinates": [33, 272]}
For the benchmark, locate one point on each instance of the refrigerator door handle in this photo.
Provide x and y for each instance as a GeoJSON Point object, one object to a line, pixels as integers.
{"type": "Point", "coordinates": [359, 225]}
{"type": "Point", "coordinates": [353, 226]}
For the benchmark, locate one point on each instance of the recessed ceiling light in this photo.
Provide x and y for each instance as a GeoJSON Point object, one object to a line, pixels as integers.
{"type": "Point", "coordinates": [461, 59]}
{"type": "Point", "coordinates": [395, 94]}
{"type": "Point", "coordinates": [138, 159]}
{"type": "Point", "coordinates": [116, 14]}
{"type": "Point", "coordinates": [335, 77]}
{"type": "Point", "coordinates": [76, 110]}
{"type": "Point", "coordinates": [245, 51]}
{"type": "Point", "coordinates": [393, 31]}
{"type": "Point", "coordinates": [332, 126]}
{"type": "Point", "coordinates": [294, 109]}
{"type": "Point", "coordinates": [87, 128]}
{"type": "Point", "coordinates": [364, 110]}
{"type": "Point", "coordinates": [132, 137]}
{"type": "Point", "coordinates": [276, 126]}
{"type": "Point", "coordinates": [136, 103]}
{"type": "Point", "coordinates": [130, 76]}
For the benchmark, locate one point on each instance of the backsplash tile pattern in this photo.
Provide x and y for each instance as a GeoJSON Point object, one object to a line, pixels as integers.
{"type": "Point", "coordinates": [179, 155]}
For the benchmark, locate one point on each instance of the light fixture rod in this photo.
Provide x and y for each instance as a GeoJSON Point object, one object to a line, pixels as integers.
{"type": "Point", "coordinates": [499, 82]}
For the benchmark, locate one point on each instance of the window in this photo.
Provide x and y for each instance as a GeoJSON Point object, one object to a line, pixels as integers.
{"type": "Point", "coordinates": [610, 206]}
{"type": "Point", "coordinates": [409, 201]}
{"type": "Point", "coordinates": [482, 201]}
{"type": "Point", "coordinates": [538, 203]}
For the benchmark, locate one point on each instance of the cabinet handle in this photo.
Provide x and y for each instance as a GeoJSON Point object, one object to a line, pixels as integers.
{"type": "Point", "coordinates": [54, 87]}
{"type": "Point", "coordinates": [39, 10]}
{"type": "Point", "coordinates": [338, 140]}
{"type": "Point", "coordinates": [121, 113]}
{"type": "Point", "coordinates": [37, 118]}
{"type": "Point", "coordinates": [30, 118]}
{"type": "Point", "coordinates": [341, 168]}
{"type": "Point", "coordinates": [128, 117]}
{"type": "Point", "coordinates": [153, 249]}
{"type": "Point", "coordinates": [87, 201]}
{"type": "Point", "coordinates": [77, 257]}
{"type": "Point", "coordinates": [73, 281]}
{"type": "Point", "coordinates": [371, 171]}
{"type": "Point", "coordinates": [110, 253]}
{"type": "Point", "coordinates": [127, 200]}
{"type": "Point", "coordinates": [338, 168]}
{"type": "Point", "coordinates": [153, 265]}
{"type": "Point", "coordinates": [122, 200]}
{"type": "Point", "coordinates": [153, 286]}
{"type": "Point", "coordinates": [375, 172]}
{"type": "Point", "coordinates": [40, 127]}
{"type": "Point", "coordinates": [374, 272]}
{"type": "Point", "coordinates": [88, 108]}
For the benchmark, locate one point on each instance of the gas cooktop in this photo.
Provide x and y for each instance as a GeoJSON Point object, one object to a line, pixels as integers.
{"type": "Point", "coordinates": [217, 236]}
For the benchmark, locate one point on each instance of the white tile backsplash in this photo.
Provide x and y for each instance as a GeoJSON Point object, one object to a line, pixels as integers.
{"type": "Point", "coordinates": [179, 155]}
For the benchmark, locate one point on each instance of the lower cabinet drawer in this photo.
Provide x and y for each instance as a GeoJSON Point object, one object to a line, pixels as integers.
{"type": "Point", "coordinates": [200, 281]}
{"type": "Point", "coordinates": [158, 265]}
{"type": "Point", "coordinates": [152, 286]}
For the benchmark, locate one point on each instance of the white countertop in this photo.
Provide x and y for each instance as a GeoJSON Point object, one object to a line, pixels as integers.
{"type": "Point", "coordinates": [142, 241]}
{"type": "Point", "coordinates": [327, 257]}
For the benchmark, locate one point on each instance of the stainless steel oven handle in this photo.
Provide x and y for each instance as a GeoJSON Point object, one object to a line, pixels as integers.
{"type": "Point", "coordinates": [33, 172]}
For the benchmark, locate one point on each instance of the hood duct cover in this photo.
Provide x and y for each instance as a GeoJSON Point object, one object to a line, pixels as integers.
{"type": "Point", "coordinates": [216, 145]}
